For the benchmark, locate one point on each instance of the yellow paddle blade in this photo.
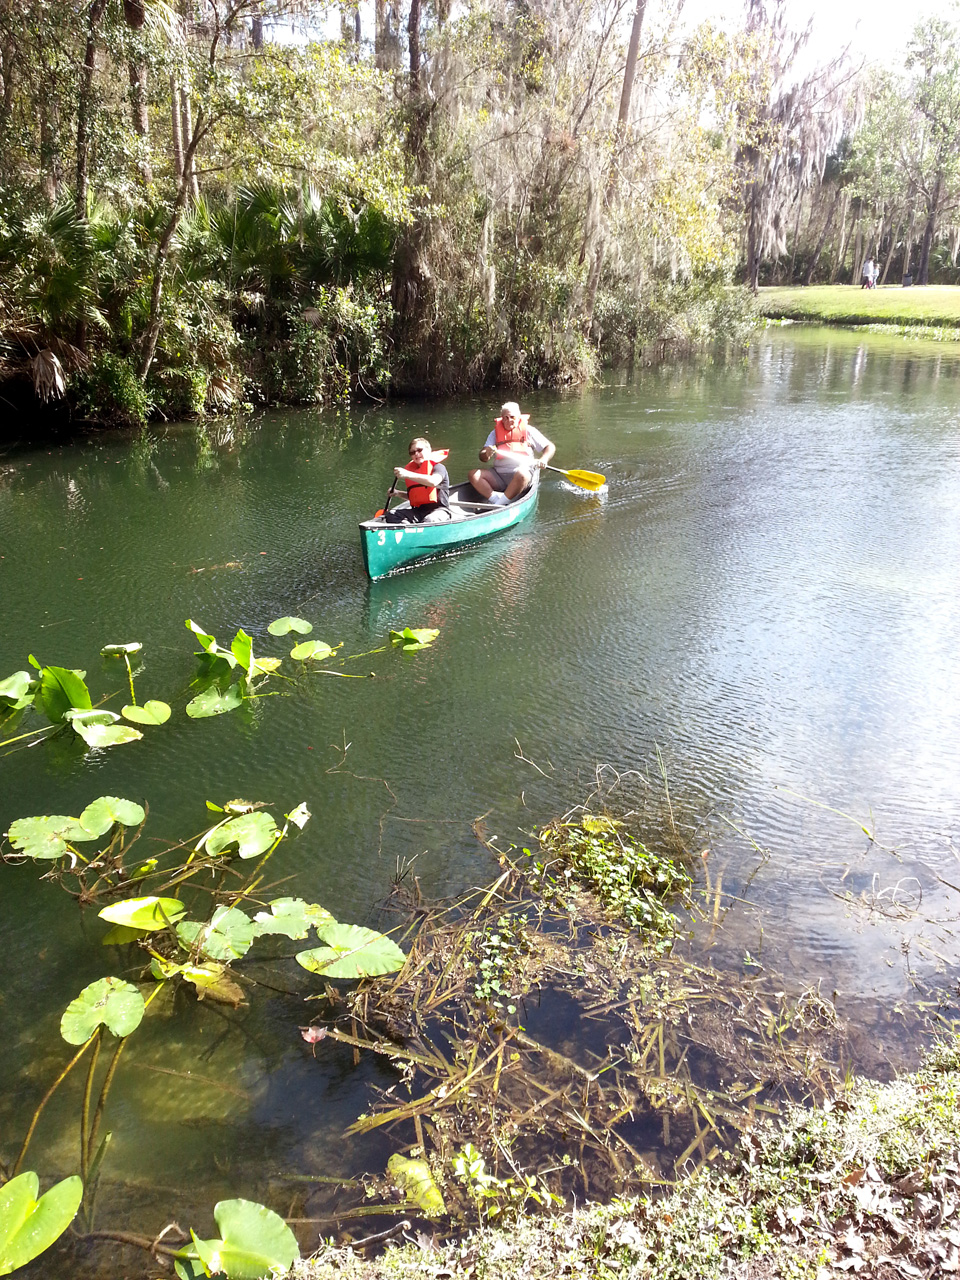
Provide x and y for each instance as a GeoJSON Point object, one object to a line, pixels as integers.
{"type": "Point", "coordinates": [585, 479]}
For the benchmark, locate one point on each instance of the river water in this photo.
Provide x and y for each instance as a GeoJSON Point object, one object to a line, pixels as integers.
{"type": "Point", "coordinates": [765, 593]}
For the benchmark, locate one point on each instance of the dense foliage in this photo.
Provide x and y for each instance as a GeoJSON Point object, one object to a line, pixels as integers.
{"type": "Point", "coordinates": [205, 202]}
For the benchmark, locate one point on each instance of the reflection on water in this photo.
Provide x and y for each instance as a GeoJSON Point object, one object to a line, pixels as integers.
{"type": "Point", "coordinates": [766, 591]}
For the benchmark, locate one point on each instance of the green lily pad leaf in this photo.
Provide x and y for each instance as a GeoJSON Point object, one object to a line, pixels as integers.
{"type": "Point", "coordinates": [46, 837]}
{"type": "Point", "coordinates": [414, 1178]}
{"type": "Point", "coordinates": [211, 982]}
{"type": "Point", "coordinates": [17, 690]}
{"type": "Point", "coordinates": [214, 703]}
{"type": "Point", "coordinates": [29, 1225]}
{"type": "Point", "coordinates": [410, 639]}
{"type": "Point", "coordinates": [292, 917]}
{"type": "Point", "coordinates": [313, 649]}
{"type": "Point", "coordinates": [227, 935]}
{"type": "Point", "coordinates": [300, 816]}
{"type": "Point", "coordinates": [117, 650]}
{"type": "Point", "coordinates": [352, 952]}
{"type": "Point", "coordinates": [115, 1004]}
{"type": "Point", "coordinates": [62, 690]}
{"type": "Point", "coordinates": [145, 913]}
{"type": "Point", "coordinates": [242, 650]}
{"type": "Point", "coordinates": [266, 666]}
{"type": "Point", "coordinates": [152, 712]}
{"type": "Point", "coordinates": [101, 814]}
{"type": "Point", "coordinates": [209, 644]}
{"type": "Point", "coordinates": [189, 1268]}
{"type": "Point", "coordinates": [283, 626]}
{"type": "Point", "coordinates": [252, 833]}
{"type": "Point", "coordinates": [99, 732]}
{"type": "Point", "coordinates": [255, 1242]}
{"type": "Point", "coordinates": [120, 935]}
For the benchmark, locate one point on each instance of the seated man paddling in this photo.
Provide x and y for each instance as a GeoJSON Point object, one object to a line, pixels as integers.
{"type": "Point", "coordinates": [512, 447]}
{"type": "Point", "coordinates": [428, 486]}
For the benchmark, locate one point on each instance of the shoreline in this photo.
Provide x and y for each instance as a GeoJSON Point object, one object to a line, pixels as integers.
{"type": "Point", "coordinates": [865, 1183]}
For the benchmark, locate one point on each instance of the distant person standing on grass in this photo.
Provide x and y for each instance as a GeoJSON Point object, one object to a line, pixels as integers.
{"type": "Point", "coordinates": [868, 275]}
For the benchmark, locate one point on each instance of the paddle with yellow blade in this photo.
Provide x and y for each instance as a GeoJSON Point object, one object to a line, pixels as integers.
{"type": "Point", "coordinates": [592, 480]}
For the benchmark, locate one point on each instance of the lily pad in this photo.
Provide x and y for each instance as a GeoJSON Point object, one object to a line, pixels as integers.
{"type": "Point", "coordinates": [17, 690]}
{"type": "Point", "coordinates": [208, 979]}
{"type": "Point", "coordinates": [117, 650]}
{"type": "Point", "coordinates": [255, 1242]}
{"type": "Point", "coordinates": [120, 935]}
{"type": "Point", "coordinates": [101, 814]}
{"type": "Point", "coordinates": [214, 703]}
{"type": "Point", "coordinates": [283, 626]}
{"type": "Point", "coordinates": [46, 837]}
{"type": "Point", "coordinates": [63, 690]}
{"type": "Point", "coordinates": [352, 952]}
{"type": "Point", "coordinates": [242, 649]}
{"type": "Point", "coordinates": [415, 1179]}
{"type": "Point", "coordinates": [145, 913]}
{"type": "Point", "coordinates": [312, 649]}
{"type": "Point", "coordinates": [410, 639]}
{"type": "Point", "coordinates": [29, 1225]}
{"type": "Point", "coordinates": [152, 712]}
{"type": "Point", "coordinates": [110, 1002]}
{"type": "Point", "coordinates": [300, 816]}
{"type": "Point", "coordinates": [227, 935]}
{"type": "Point", "coordinates": [99, 728]}
{"type": "Point", "coordinates": [266, 666]}
{"type": "Point", "coordinates": [252, 833]}
{"type": "Point", "coordinates": [292, 917]}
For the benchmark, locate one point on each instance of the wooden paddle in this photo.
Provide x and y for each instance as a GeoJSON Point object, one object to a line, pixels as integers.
{"type": "Point", "coordinates": [585, 479]}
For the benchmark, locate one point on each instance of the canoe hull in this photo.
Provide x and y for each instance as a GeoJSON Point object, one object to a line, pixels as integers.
{"type": "Point", "coordinates": [390, 548]}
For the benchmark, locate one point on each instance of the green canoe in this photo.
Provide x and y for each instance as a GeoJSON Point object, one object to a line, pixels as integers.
{"type": "Point", "coordinates": [388, 548]}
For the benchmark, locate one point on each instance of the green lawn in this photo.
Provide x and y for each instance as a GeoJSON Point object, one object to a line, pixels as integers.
{"type": "Point", "coordinates": [934, 305]}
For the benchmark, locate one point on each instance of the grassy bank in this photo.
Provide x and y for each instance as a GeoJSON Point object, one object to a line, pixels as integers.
{"type": "Point", "coordinates": [934, 306]}
{"type": "Point", "coordinates": [865, 1184]}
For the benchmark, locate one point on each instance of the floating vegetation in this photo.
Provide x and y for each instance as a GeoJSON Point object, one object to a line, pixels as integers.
{"type": "Point", "coordinates": [552, 1045]}
{"type": "Point", "coordinates": [148, 904]}
{"type": "Point", "coordinates": [228, 676]}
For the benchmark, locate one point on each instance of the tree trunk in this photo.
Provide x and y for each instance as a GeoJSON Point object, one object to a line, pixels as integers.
{"type": "Point", "coordinates": [926, 244]}
{"type": "Point", "coordinates": [162, 255]}
{"type": "Point", "coordinates": [894, 226]}
{"type": "Point", "coordinates": [85, 104]}
{"type": "Point", "coordinates": [841, 250]}
{"type": "Point", "coordinates": [176, 127]}
{"type": "Point", "coordinates": [827, 224]}
{"type": "Point", "coordinates": [908, 242]}
{"type": "Point", "coordinates": [141, 118]}
{"type": "Point", "coordinates": [858, 252]}
{"type": "Point", "coordinates": [186, 128]}
{"type": "Point", "coordinates": [796, 235]}
{"type": "Point", "coordinates": [753, 230]}
{"type": "Point", "coordinates": [623, 120]}
{"type": "Point", "coordinates": [8, 58]}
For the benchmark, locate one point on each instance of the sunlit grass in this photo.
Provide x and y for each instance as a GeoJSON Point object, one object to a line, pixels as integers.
{"type": "Point", "coordinates": [930, 306]}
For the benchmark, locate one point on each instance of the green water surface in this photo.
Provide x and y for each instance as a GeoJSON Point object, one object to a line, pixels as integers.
{"type": "Point", "coordinates": [766, 591]}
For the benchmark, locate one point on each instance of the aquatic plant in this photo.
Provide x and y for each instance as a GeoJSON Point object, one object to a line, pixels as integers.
{"type": "Point", "coordinates": [192, 943]}
{"type": "Point", "coordinates": [228, 676]}
{"type": "Point", "coordinates": [29, 1224]}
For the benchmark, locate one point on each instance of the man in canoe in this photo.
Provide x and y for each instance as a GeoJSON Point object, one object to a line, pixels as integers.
{"type": "Point", "coordinates": [428, 486]}
{"type": "Point", "coordinates": [512, 446]}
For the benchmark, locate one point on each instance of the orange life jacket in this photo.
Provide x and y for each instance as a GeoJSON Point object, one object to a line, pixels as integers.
{"type": "Point", "coordinates": [419, 494]}
{"type": "Point", "coordinates": [513, 438]}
